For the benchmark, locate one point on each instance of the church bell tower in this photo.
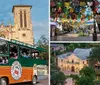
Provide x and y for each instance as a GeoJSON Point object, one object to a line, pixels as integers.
{"type": "Point", "coordinates": [23, 23]}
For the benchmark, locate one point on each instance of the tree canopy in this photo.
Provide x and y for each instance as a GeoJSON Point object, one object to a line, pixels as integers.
{"type": "Point", "coordinates": [87, 76]}
{"type": "Point", "coordinates": [57, 77]}
{"type": "Point", "coordinates": [94, 56]}
{"type": "Point", "coordinates": [43, 42]}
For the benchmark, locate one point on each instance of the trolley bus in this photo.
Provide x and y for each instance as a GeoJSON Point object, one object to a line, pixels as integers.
{"type": "Point", "coordinates": [18, 62]}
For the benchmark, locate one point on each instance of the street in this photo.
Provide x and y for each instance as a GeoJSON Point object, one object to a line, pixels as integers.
{"type": "Point", "coordinates": [69, 37]}
{"type": "Point", "coordinates": [40, 82]}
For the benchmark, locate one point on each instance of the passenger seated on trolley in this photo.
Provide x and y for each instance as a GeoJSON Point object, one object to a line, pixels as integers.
{"type": "Point", "coordinates": [6, 60]}
{"type": "Point", "coordinates": [25, 55]}
{"type": "Point", "coordinates": [14, 52]}
{"type": "Point", "coordinates": [13, 55]}
{"type": "Point", "coordinates": [3, 60]}
{"type": "Point", "coordinates": [35, 55]}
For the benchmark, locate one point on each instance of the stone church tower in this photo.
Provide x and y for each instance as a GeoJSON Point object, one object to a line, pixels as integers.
{"type": "Point", "coordinates": [22, 30]}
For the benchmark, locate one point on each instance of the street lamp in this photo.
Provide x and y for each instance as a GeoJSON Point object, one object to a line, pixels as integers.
{"type": "Point", "coordinates": [94, 15]}
{"type": "Point", "coordinates": [95, 33]}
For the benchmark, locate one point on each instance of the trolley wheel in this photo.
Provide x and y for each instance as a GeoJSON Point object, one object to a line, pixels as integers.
{"type": "Point", "coordinates": [3, 81]}
{"type": "Point", "coordinates": [34, 80]}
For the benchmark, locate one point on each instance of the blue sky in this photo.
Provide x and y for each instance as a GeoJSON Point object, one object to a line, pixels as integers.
{"type": "Point", "coordinates": [39, 13]}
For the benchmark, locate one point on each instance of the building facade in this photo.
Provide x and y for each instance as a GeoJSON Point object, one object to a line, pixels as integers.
{"type": "Point", "coordinates": [22, 29]}
{"type": "Point", "coordinates": [73, 61]}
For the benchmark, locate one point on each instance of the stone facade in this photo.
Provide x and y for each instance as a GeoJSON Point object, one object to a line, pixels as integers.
{"type": "Point", "coordinates": [71, 63]}
{"type": "Point", "coordinates": [22, 29]}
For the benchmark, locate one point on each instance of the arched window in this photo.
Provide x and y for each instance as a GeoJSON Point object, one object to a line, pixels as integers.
{"type": "Point", "coordinates": [25, 21]}
{"type": "Point", "coordinates": [21, 20]}
{"type": "Point", "coordinates": [72, 69]}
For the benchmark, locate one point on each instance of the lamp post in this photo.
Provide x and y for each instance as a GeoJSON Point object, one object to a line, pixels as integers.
{"type": "Point", "coordinates": [94, 33]}
{"type": "Point", "coordinates": [94, 15]}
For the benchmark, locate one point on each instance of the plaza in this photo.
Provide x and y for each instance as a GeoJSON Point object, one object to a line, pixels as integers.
{"type": "Point", "coordinates": [75, 17]}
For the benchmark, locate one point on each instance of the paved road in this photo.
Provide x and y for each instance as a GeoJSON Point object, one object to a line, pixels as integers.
{"type": "Point", "coordinates": [73, 38]}
{"type": "Point", "coordinates": [41, 82]}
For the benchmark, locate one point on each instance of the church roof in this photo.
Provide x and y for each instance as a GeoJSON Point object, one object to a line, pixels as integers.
{"type": "Point", "coordinates": [79, 52]}
{"type": "Point", "coordinates": [82, 53]}
{"type": "Point", "coordinates": [64, 55]}
{"type": "Point", "coordinates": [21, 6]}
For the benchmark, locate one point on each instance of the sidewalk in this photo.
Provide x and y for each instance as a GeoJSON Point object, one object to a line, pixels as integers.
{"type": "Point", "coordinates": [69, 81]}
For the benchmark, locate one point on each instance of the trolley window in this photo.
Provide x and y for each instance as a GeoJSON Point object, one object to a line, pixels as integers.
{"type": "Point", "coordinates": [3, 47]}
{"type": "Point", "coordinates": [25, 52]}
{"type": "Point", "coordinates": [13, 51]}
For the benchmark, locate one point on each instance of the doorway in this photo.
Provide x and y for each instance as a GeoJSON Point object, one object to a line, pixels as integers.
{"type": "Point", "coordinates": [72, 69]}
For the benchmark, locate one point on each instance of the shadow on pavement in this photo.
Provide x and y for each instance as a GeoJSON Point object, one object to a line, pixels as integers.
{"type": "Point", "coordinates": [25, 83]}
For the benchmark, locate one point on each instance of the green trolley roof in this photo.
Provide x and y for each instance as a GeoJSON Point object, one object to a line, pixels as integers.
{"type": "Point", "coordinates": [40, 49]}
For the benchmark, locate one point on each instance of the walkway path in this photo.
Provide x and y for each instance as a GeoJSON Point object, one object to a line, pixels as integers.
{"type": "Point", "coordinates": [73, 37]}
{"type": "Point", "coordinates": [69, 81]}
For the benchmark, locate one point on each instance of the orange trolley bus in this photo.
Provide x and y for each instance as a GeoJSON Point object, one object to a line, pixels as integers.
{"type": "Point", "coordinates": [18, 62]}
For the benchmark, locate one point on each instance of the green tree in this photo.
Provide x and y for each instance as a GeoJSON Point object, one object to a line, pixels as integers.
{"type": "Point", "coordinates": [88, 72]}
{"type": "Point", "coordinates": [87, 76]}
{"type": "Point", "coordinates": [84, 80]}
{"type": "Point", "coordinates": [57, 77]}
{"type": "Point", "coordinates": [43, 42]}
{"type": "Point", "coordinates": [75, 77]}
{"type": "Point", "coordinates": [94, 56]}
{"type": "Point", "coordinates": [72, 46]}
